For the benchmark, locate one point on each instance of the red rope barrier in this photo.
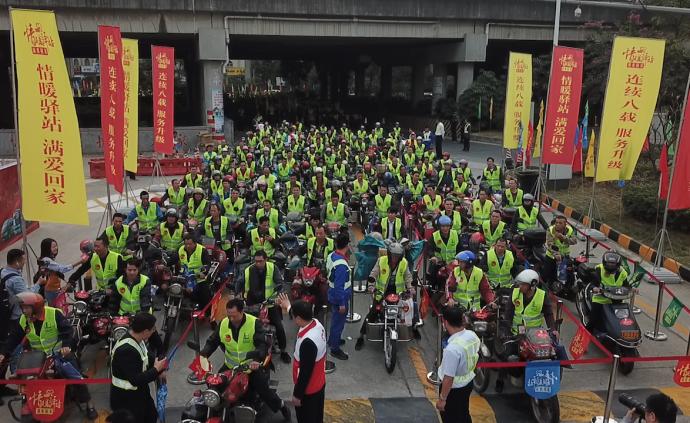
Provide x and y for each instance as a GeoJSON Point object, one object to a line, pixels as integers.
{"type": "Point", "coordinates": [101, 381]}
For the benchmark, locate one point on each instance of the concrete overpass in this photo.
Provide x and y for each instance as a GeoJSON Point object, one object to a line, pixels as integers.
{"type": "Point", "coordinates": [341, 35]}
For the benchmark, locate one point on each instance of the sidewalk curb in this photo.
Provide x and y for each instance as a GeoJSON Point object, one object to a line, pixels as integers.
{"type": "Point", "coordinates": [646, 252]}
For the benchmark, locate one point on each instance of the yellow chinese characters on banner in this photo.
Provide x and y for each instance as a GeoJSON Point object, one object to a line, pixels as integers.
{"type": "Point", "coordinates": [518, 98]}
{"type": "Point", "coordinates": [130, 65]}
{"type": "Point", "coordinates": [52, 171]}
{"type": "Point", "coordinates": [631, 94]}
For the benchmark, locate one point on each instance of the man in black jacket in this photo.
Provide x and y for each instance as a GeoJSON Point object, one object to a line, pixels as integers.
{"type": "Point", "coordinates": [134, 368]}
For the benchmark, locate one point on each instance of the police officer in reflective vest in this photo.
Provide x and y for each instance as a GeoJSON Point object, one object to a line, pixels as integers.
{"type": "Point", "coordinates": [105, 265]}
{"type": "Point", "coordinates": [120, 238]}
{"type": "Point", "coordinates": [263, 281]}
{"type": "Point", "coordinates": [527, 216]}
{"type": "Point", "coordinates": [134, 368]}
{"type": "Point", "coordinates": [500, 266]}
{"type": "Point", "coordinates": [46, 329]}
{"type": "Point", "coordinates": [494, 228]}
{"type": "Point", "coordinates": [467, 285]}
{"type": "Point", "coordinates": [242, 338]}
{"type": "Point", "coordinates": [132, 292]}
{"type": "Point", "coordinates": [608, 274]}
{"type": "Point", "coordinates": [456, 372]}
{"type": "Point", "coordinates": [390, 275]}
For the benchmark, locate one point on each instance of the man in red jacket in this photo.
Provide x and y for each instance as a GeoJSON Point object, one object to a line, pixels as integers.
{"type": "Point", "coordinates": [309, 364]}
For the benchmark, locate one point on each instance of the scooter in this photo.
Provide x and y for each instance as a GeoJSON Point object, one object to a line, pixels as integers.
{"type": "Point", "coordinates": [618, 331]}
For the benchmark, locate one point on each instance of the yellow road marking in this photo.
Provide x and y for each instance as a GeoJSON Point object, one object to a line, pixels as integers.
{"type": "Point", "coordinates": [430, 391]}
{"type": "Point", "coordinates": [580, 406]}
{"type": "Point", "coordinates": [346, 411]}
{"type": "Point", "coordinates": [102, 415]}
{"type": "Point", "coordinates": [681, 396]}
{"type": "Point", "coordinates": [100, 203]}
{"type": "Point", "coordinates": [481, 411]}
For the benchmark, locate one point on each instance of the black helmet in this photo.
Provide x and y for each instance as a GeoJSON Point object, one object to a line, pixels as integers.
{"type": "Point", "coordinates": [171, 212]}
{"type": "Point", "coordinates": [611, 261]}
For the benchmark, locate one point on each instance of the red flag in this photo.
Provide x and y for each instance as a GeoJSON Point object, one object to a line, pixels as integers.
{"type": "Point", "coordinates": [45, 400]}
{"type": "Point", "coordinates": [681, 375]}
{"type": "Point", "coordinates": [200, 366]}
{"type": "Point", "coordinates": [565, 86]}
{"type": "Point", "coordinates": [112, 104]}
{"type": "Point", "coordinates": [577, 159]}
{"type": "Point", "coordinates": [663, 168]}
{"type": "Point", "coordinates": [530, 144]}
{"type": "Point", "coordinates": [679, 198]}
{"type": "Point", "coordinates": [579, 343]}
{"type": "Point", "coordinates": [645, 146]}
{"type": "Point", "coordinates": [163, 63]}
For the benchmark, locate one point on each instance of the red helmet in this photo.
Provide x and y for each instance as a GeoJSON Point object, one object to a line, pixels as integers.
{"type": "Point", "coordinates": [250, 156]}
{"type": "Point", "coordinates": [86, 246]}
{"type": "Point", "coordinates": [446, 154]}
{"type": "Point", "coordinates": [228, 178]}
{"type": "Point", "coordinates": [305, 165]}
{"type": "Point", "coordinates": [32, 299]}
{"type": "Point", "coordinates": [477, 238]}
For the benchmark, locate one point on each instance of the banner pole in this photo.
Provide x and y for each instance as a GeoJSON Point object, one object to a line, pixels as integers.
{"type": "Point", "coordinates": [25, 242]}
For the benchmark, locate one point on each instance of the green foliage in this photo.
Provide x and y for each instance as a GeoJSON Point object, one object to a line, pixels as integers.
{"type": "Point", "coordinates": [641, 201]}
{"type": "Point", "coordinates": [445, 108]}
{"type": "Point", "coordinates": [485, 87]}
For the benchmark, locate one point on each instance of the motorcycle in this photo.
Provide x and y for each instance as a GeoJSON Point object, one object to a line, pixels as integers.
{"type": "Point", "coordinates": [310, 285]}
{"type": "Point", "coordinates": [529, 248]}
{"type": "Point", "coordinates": [90, 318]}
{"type": "Point", "coordinates": [618, 331]}
{"type": "Point", "coordinates": [391, 311]}
{"type": "Point", "coordinates": [484, 322]}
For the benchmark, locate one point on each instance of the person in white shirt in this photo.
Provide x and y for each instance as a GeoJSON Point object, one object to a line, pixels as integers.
{"type": "Point", "coordinates": [438, 138]}
{"type": "Point", "coordinates": [457, 368]}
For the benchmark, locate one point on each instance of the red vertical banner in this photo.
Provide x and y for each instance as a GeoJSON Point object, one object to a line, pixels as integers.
{"type": "Point", "coordinates": [163, 80]}
{"type": "Point", "coordinates": [565, 88]}
{"type": "Point", "coordinates": [112, 104]}
{"type": "Point", "coordinates": [679, 197]}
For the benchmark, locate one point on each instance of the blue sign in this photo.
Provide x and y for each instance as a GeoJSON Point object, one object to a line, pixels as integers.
{"type": "Point", "coordinates": [542, 379]}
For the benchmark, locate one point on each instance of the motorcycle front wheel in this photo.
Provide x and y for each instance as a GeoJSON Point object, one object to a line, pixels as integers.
{"type": "Point", "coordinates": [482, 378]}
{"type": "Point", "coordinates": [627, 367]}
{"type": "Point", "coordinates": [547, 410]}
{"type": "Point", "coordinates": [170, 323]}
{"type": "Point", "coordinates": [389, 351]}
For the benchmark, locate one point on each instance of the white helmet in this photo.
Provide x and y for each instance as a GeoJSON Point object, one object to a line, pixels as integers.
{"type": "Point", "coordinates": [527, 276]}
{"type": "Point", "coordinates": [396, 248]}
{"type": "Point", "coordinates": [318, 170]}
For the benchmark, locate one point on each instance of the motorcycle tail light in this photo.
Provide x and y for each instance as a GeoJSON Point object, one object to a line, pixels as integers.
{"type": "Point", "coordinates": [392, 298]}
{"type": "Point", "coordinates": [82, 295]}
{"type": "Point", "coordinates": [101, 325]}
{"type": "Point", "coordinates": [630, 335]}
{"type": "Point", "coordinates": [121, 320]}
{"type": "Point", "coordinates": [481, 314]}
{"type": "Point", "coordinates": [378, 307]}
{"type": "Point", "coordinates": [626, 322]}
{"type": "Point", "coordinates": [214, 380]}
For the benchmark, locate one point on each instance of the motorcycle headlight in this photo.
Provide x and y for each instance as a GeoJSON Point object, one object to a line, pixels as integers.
{"type": "Point", "coordinates": [391, 311]}
{"type": "Point", "coordinates": [308, 282]}
{"type": "Point", "coordinates": [622, 313]}
{"type": "Point", "coordinates": [479, 327]}
{"type": "Point", "coordinates": [176, 289]}
{"type": "Point", "coordinates": [119, 332]}
{"type": "Point", "coordinates": [79, 307]}
{"type": "Point", "coordinates": [211, 398]}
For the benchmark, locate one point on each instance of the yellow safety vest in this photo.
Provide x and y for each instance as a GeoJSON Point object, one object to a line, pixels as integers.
{"type": "Point", "coordinates": [236, 350]}
{"type": "Point", "coordinates": [456, 218]}
{"type": "Point", "coordinates": [197, 213]}
{"type": "Point", "coordinates": [130, 302]}
{"type": "Point", "coordinates": [382, 204]}
{"type": "Point", "coordinates": [471, 349]}
{"type": "Point", "coordinates": [295, 205]}
{"type": "Point", "coordinates": [610, 281]}
{"type": "Point", "coordinates": [467, 293]}
{"type": "Point", "coordinates": [263, 196]}
{"type": "Point", "coordinates": [328, 248]}
{"type": "Point", "coordinates": [176, 198]}
{"type": "Point", "coordinates": [432, 204]}
{"type": "Point", "coordinates": [208, 231]}
{"type": "Point", "coordinates": [337, 214]}
{"type": "Point", "coordinates": [361, 188]}
{"type": "Point", "coordinates": [102, 275]}
{"type": "Point", "coordinates": [563, 247]}
{"type": "Point", "coordinates": [532, 316]}
{"type": "Point", "coordinates": [384, 275]}
{"type": "Point", "coordinates": [397, 228]}
{"type": "Point", "coordinates": [527, 221]}
{"type": "Point", "coordinates": [116, 244]}
{"type": "Point", "coordinates": [194, 262]}
{"type": "Point", "coordinates": [493, 178]}
{"type": "Point", "coordinates": [193, 183]}
{"type": "Point", "coordinates": [416, 190]}
{"type": "Point", "coordinates": [492, 237]}
{"type": "Point", "coordinates": [171, 242]}
{"type": "Point", "coordinates": [48, 339]}
{"type": "Point", "coordinates": [259, 244]}
{"type": "Point", "coordinates": [147, 219]}
{"type": "Point", "coordinates": [273, 219]}
{"type": "Point", "coordinates": [499, 273]}
{"type": "Point", "coordinates": [268, 282]}
{"type": "Point", "coordinates": [446, 250]}
{"type": "Point", "coordinates": [233, 209]}
{"type": "Point", "coordinates": [480, 212]}
{"type": "Point", "coordinates": [514, 201]}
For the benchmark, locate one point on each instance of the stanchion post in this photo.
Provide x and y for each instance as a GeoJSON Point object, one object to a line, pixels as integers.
{"type": "Point", "coordinates": [656, 335]}
{"type": "Point", "coordinates": [559, 313]}
{"type": "Point", "coordinates": [635, 310]}
{"type": "Point", "coordinates": [352, 317]}
{"type": "Point", "coordinates": [192, 379]}
{"type": "Point", "coordinates": [432, 377]}
{"type": "Point", "coordinates": [612, 388]}
{"type": "Point", "coordinates": [687, 349]}
{"type": "Point", "coordinates": [330, 366]}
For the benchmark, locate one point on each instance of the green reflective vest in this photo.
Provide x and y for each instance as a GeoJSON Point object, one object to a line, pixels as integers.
{"type": "Point", "coordinates": [527, 220]}
{"type": "Point", "coordinates": [193, 262]}
{"type": "Point", "coordinates": [48, 340]}
{"type": "Point", "coordinates": [148, 219]}
{"type": "Point", "coordinates": [609, 280]}
{"type": "Point", "coordinates": [530, 316]}
{"type": "Point", "coordinates": [446, 251]}
{"type": "Point", "coordinates": [263, 196]}
{"type": "Point", "coordinates": [456, 218]}
{"type": "Point", "coordinates": [385, 275]}
{"type": "Point", "coordinates": [208, 231]}
{"type": "Point", "coordinates": [104, 275]}
{"type": "Point", "coordinates": [382, 204]}
{"type": "Point", "coordinates": [236, 350]}
{"type": "Point", "coordinates": [273, 217]}
{"type": "Point", "coordinates": [471, 348]}
{"type": "Point", "coordinates": [328, 248]}
{"type": "Point", "coordinates": [233, 209]}
{"type": "Point", "coordinates": [328, 195]}
{"type": "Point", "coordinates": [193, 182]}
{"type": "Point", "coordinates": [514, 200]}
{"type": "Point", "coordinates": [361, 188]}
{"type": "Point", "coordinates": [295, 205]}
{"type": "Point", "coordinates": [114, 243]}
{"type": "Point", "coordinates": [481, 213]}
{"type": "Point", "coordinates": [492, 237]}
{"type": "Point", "coordinates": [216, 187]}
{"type": "Point", "coordinates": [493, 178]}
{"type": "Point", "coordinates": [397, 228]}
{"type": "Point", "coordinates": [171, 241]}
{"type": "Point", "coordinates": [130, 301]}
{"type": "Point", "coordinates": [197, 213]}
{"type": "Point", "coordinates": [416, 190]}
{"type": "Point", "coordinates": [467, 293]}
{"type": "Point", "coordinates": [336, 214]}
{"type": "Point", "coordinates": [499, 273]}
{"type": "Point", "coordinates": [268, 282]}
{"type": "Point", "coordinates": [258, 242]}
{"type": "Point", "coordinates": [563, 247]}
{"type": "Point", "coordinates": [176, 199]}
{"type": "Point", "coordinates": [434, 204]}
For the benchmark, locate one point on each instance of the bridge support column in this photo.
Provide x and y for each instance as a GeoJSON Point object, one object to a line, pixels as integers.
{"type": "Point", "coordinates": [418, 73]}
{"type": "Point", "coordinates": [386, 81]}
{"type": "Point", "coordinates": [359, 79]}
{"type": "Point", "coordinates": [439, 84]}
{"type": "Point", "coordinates": [212, 55]}
{"type": "Point", "coordinates": [464, 78]}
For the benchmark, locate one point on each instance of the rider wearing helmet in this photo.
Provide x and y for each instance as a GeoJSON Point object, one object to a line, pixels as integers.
{"type": "Point", "coordinates": [464, 168]}
{"type": "Point", "coordinates": [263, 191]}
{"type": "Point", "coordinates": [197, 206]}
{"type": "Point", "coordinates": [319, 181]}
{"type": "Point", "coordinates": [609, 273]}
{"type": "Point", "coordinates": [446, 176]}
{"type": "Point", "coordinates": [468, 284]}
{"type": "Point", "coordinates": [171, 231]}
{"type": "Point", "coordinates": [527, 216]}
{"type": "Point", "coordinates": [390, 275]}
{"type": "Point", "coordinates": [216, 184]}
{"type": "Point", "coordinates": [531, 306]}
{"type": "Point", "coordinates": [444, 245]}
{"type": "Point", "coordinates": [46, 329]}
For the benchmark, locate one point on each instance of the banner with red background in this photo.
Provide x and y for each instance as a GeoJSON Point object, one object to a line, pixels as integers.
{"type": "Point", "coordinates": [565, 88]}
{"type": "Point", "coordinates": [112, 103]}
{"type": "Point", "coordinates": [163, 63]}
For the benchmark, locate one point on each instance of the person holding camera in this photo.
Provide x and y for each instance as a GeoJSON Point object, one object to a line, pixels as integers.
{"type": "Point", "coordinates": [658, 408]}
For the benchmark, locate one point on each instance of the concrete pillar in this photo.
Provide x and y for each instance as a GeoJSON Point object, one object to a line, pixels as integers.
{"type": "Point", "coordinates": [333, 76]}
{"type": "Point", "coordinates": [464, 78]}
{"type": "Point", "coordinates": [359, 80]}
{"type": "Point", "coordinates": [343, 78]}
{"type": "Point", "coordinates": [323, 81]}
{"type": "Point", "coordinates": [212, 55]}
{"type": "Point", "coordinates": [438, 84]}
{"type": "Point", "coordinates": [386, 82]}
{"type": "Point", "coordinates": [418, 72]}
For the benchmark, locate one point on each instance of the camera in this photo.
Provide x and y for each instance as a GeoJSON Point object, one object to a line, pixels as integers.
{"type": "Point", "coordinates": [633, 403]}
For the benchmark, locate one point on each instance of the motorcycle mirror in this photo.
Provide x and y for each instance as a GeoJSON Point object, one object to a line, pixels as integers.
{"type": "Point", "coordinates": [193, 345]}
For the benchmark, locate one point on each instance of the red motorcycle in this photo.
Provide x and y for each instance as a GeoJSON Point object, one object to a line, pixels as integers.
{"type": "Point", "coordinates": [310, 285]}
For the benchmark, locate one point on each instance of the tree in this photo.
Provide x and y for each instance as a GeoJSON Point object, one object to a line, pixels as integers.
{"type": "Point", "coordinates": [484, 88]}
